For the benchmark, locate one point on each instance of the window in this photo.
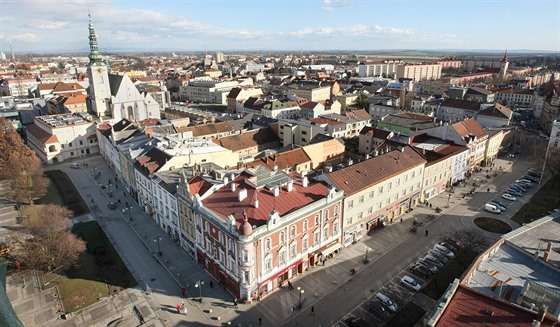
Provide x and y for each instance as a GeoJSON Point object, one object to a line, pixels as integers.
{"type": "Point", "coordinates": [380, 190]}
{"type": "Point", "coordinates": [349, 221]}
{"type": "Point", "coordinates": [361, 199]}
{"type": "Point", "coordinates": [316, 238]}
{"type": "Point", "coordinates": [371, 194]}
{"type": "Point", "coordinates": [317, 219]}
{"type": "Point", "coordinates": [267, 244]}
{"type": "Point", "coordinates": [267, 264]}
{"type": "Point", "coordinates": [293, 232]}
{"type": "Point", "coordinates": [293, 251]}
{"type": "Point", "coordinates": [335, 227]}
{"type": "Point", "coordinates": [336, 210]}
{"type": "Point", "coordinates": [390, 185]}
{"type": "Point", "coordinates": [282, 238]}
{"type": "Point", "coordinates": [70, 144]}
{"type": "Point", "coordinates": [370, 210]}
{"type": "Point", "coordinates": [350, 204]}
{"type": "Point", "coordinates": [326, 232]}
{"type": "Point", "coordinates": [282, 257]}
{"type": "Point", "coordinates": [81, 143]}
{"type": "Point", "coordinates": [326, 215]}
{"type": "Point", "coordinates": [305, 225]}
{"type": "Point", "coordinates": [305, 243]}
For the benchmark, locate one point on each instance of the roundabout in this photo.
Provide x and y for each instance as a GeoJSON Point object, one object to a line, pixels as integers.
{"type": "Point", "coordinates": [492, 225]}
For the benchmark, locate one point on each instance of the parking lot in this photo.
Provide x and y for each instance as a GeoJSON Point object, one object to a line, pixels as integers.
{"type": "Point", "coordinates": [404, 287]}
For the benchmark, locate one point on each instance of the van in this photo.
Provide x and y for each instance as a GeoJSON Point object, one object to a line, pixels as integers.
{"type": "Point", "coordinates": [386, 301]}
{"type": "Point", "coordinates": [491, 208]}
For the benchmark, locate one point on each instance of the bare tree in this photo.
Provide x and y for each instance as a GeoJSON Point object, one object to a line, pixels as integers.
{"type": "Point", "coordinates": [471, 239]}
{"type": "Point", "coordinates": [52, 245]}
{"type": "Point", "coordinates": [20, 166]}
{"type": "Point", "coordinates": [553, 163]}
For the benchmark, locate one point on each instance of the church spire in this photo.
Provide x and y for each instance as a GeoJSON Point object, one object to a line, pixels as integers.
{"type": "Point", "coordinates": [94, 55]}
{"type": "Point", "coordinates": [505, 58]}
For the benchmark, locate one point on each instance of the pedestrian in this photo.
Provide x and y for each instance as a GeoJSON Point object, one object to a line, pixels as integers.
{"type": "Point", "coordinates": [235, 303]}
{"type": "Point", "coordinates": [488, 190]}
{"type": "Point", "coordinates": [211, 284]}
{"type": "Point", "coordinates": [430, 206]}
{"type": "Point", "coordinates": [183, 291]}
{"type": "Point", "coordinates": [178, 307]}
{"type": "Point", "coordinates": [117, 186]}
{"type": "Point", "coordinates": [92, 200]}
{"type": "Point", "coordinates": [290, 286]}
{"type": "Point", "coordinates": [401, 220]}
{"type": "Point", "coordinates": [260, 321]}
{"type": "Point", "coordinates": [426, 232]}
{"type": "Point", "coordinates": [119, 201]}
{"type": "Point", "coordinates": [352, 271]}
{"type": "Point", "coordinates": [312, 311]}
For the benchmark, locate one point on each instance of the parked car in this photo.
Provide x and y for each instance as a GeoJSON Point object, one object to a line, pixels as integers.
{"type": "Point", "coordinates": [444, 250]}
{"type": "Point", "coordinates": [377, 307]}
{"type": "Point", "coordinates": [501, 204]}
{"type": "Point", "coordinates": [440, 256]}
{"type": "Point", "coordinates": [509, 197]}
{"type": "Point", "coordinates": [75, 165]}
{"type": "Point", "coordinates": [492, 208]}
{"type": "Point", "coordinates": [457, 244]}
{"type": "Point", "coordinates": [518, 188]}
{"type": "Point", "coordinates": [431, 267]}
{"type": "Point", "coordinates": [524, 184]}
{"type": "Point", "coordinates": [514, 192]}
{"type": "Point", "coordinates": [434, 260]}
{"type": "Point", "coordinates": [535, 174]}
{"type": "Point", "coordinates": [448, 246]}
{"type": "Point", "coordinates": [421, 271]}
{"type": "Point", "coordinates": [530, 178]}
{"type": "Point", "coordinates": [387, 302]}
{"type": "Point", "coordinates": [411, 283]}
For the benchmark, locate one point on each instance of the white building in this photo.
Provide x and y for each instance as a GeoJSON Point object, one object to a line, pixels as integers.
{"type": "Point", "coordinates": [58, 138]}
{"type": "Point", "coordinates": [210, 91]}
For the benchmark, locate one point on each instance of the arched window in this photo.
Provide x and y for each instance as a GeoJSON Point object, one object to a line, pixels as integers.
{"type": "Point", "coordinates": [52, 148]}
{"type": "Point", "coordinates": [305, 225]}
{"type": "Point", "coordinates": [317, 221]}
{"type": "Point", "coordinates": [267, 244]}
{"type": "Point", "coordinates": [336, 210]}
{"type": "Point", "coordinates": [326, 215]}
{"type": "Point", "coordinates": [282, 237]}
{"type": "Point", "coordinates": [293, 231]}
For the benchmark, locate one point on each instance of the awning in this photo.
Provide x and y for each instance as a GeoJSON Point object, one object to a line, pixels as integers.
{"type": "Point", "coordinates": [331, 249]}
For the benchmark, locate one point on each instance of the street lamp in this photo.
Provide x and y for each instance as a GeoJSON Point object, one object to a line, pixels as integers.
{"type": "Point", "coordinates": [366, 260]}
{"type": "Point", "coordinates": [300, 291]}
{"type": "Point", "coordinates": [199, 285]}
{"type": "Point", "coordinates": [157, 239]}
{"type": "Point", "coordinates": [129, 210]}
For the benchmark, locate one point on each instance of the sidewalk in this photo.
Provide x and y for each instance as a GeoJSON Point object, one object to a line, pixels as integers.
{"type": "Point", "coordinates": [277, 308]}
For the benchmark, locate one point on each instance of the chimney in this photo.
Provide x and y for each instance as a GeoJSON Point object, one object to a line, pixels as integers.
{"type": "Point", "coordinates": [290, 186]}
{"type": "Point", "coordinates": [233, 186]}
{"type": "Point", "coordinates": [304, 181]}
{"type": "Point", "coordinates": [367, 156]}
{"type": "Point", "coordinates": [256, 203]}
{"type": "Point", "coordinates": [547, 252]}
{"type": "Point", "coordinates": [242, 194]}
{"type": "Point", "coordinates": [402, 149]}
{"type": "Point", "coordinates": [276, 191]}
{"type": "Point", "coordinates": [226, 180]}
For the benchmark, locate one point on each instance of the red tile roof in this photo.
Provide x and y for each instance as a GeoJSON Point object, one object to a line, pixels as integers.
{"type": "Point", "coordinates": [283, 160]}
{"type": "Point", "coordinates": [473, 309]}
{"type": "Point", "coordinates": [41, 134]}
{"type": "Point", "coordinates": [360, 176]}
{"type": "Point", "coordinates": [469, 126]}
{"type": "Point", "coordinates": [224, 202]}
{"type": "Point", "coordinates": [360, 113]}
{"type": "Point", "coordinates": [245, 140]}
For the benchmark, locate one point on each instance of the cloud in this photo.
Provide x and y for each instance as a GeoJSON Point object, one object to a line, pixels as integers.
{"type": "Point", "coordinates": [52, 25]}
{"type": "Point", "coordinates": [23, 37]}
{"type": "Point", "coordinates": [331, 4]}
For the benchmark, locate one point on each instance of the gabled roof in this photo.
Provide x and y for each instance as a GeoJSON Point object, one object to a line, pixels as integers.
{"type": "Point", "coordinates": [248, 139]}
{"type": "Point", "coordinates": [115, 83]}
{"type": "Point", "coordinates": [478, 90]}
{"type": "Point", "coordinates": [377, 133]}
{"type": "Point", "coordinates": [461, 104]}
{"type": "Point", "coordinates": [469, 127]}
{"type": "Point", "coordinates": [367, 173]}
{"type": "Point", "coordinates": [361, 113]}
{"type": "Point", "coordinates": [152, 160]}
{"type": "Point", "coordinates": [283, 160]}
{"type": "Point", "coordinates": [40, 134]}
{"type": "Point", "coordinates": [233, 93]}
{"type": "Point", "coordinates": [498, 111]}
{"type": "Point", "coordinates": [207, 129]}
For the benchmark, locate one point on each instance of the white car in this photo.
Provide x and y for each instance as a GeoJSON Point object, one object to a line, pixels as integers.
{"type": "Point", "coordinates": [411, 283]}
{"type": "Point", "coordinates": [509, 197]}
{"type": "Point", "coordinates": [75, 165]}
{"type": "Point", "coordinates": [387, 302]}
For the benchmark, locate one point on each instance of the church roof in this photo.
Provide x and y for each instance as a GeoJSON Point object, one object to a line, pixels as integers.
{"type": "Point", "coordinates": [115, 83]}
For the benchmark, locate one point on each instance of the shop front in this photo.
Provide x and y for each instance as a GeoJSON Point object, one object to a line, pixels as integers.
{"type": "Point", "coordinates": [352, 235]}
{"type": "Point", "coordinates": [279, 278]}
{"type": "Point", "coordinates": [326, 252]}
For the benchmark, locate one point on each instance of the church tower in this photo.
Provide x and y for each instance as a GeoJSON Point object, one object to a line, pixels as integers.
{"type": "Point", "coordinates": [99, 90]}
{"type": "Point", "coordinates": [503, 67]}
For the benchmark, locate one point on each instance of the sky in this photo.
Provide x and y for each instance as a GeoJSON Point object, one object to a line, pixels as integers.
{"type": "Point", "coordinates": [280, 25]}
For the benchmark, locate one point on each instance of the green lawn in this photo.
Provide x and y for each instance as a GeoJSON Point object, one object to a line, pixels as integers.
{"type": "Point", "coordinates": [62, 191]}
{"type": "Point", "coordinates": [99, 272]}
{"type": "Point", "coordinates": [544, 201]}
{"type": "Point", "coordinates": [454, 269]}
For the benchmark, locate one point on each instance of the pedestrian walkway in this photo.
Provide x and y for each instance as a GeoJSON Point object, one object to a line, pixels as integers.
{"type": "Point", "coordinates": [217, 305]}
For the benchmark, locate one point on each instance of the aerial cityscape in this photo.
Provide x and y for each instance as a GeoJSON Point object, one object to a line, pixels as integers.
{"type": "Point", "coordinates": [315, 163]}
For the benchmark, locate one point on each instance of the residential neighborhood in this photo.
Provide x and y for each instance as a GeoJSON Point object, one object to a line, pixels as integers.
{"type": "Point", "coordinates": [273, 185]}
